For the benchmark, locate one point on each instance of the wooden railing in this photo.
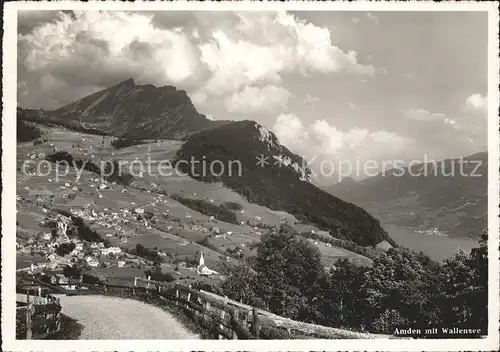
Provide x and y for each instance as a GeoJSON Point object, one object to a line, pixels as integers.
{"type": "Point", "coordinates": [226, 318]}
{"type": "Point", "coordinates": [37, 315]}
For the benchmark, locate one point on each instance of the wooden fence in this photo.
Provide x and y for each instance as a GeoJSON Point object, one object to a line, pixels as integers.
{"type": "Point", "coordinates": [37, 314]}
{"type": "Point", "coordinates": [224, 317]}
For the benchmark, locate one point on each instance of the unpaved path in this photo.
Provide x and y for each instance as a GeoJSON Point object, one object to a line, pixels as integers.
{"type": "Point", "coordinates": [118, 318]}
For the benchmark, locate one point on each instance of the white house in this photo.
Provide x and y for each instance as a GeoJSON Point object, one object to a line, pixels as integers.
{"type": "Point", "coordinates": [111, 250]}
{"type": "Point", "coordinates": [93, 263]}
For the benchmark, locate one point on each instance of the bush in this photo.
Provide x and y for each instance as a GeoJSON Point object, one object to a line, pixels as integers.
{"type": "Point", "coordinates": [232, 205]}
{"type": "Point", "coordinates": [65, 248]}
{"type": "Point", "coordinates": [91, 279]}
{"type": "Point", "coordinates": [72, 271]}
{"type": "Point", "coordinates": [85, 232]}
{"type": "Point", "coordinates": [124, 142]}
{"type": "Point", "coordinates": [157, 275]}
{"type": "Point", "coordinates": [147, 253]}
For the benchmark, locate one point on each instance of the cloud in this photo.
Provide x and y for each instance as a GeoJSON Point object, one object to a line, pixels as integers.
{"type": "Point", "coordinates": [258, 99]}
{"type": "Point", "coordinates": [355, 19]}
{"type": "Point", "coordinates": [311, 100]}
{"type": "Point", "coordinates": [290, 130]}
{"type": "Point", "coordinates": [476, 103]}
{"type": "Point", "coordinates": [451, 122]}
{"type": "Point", "coordinates": [320, 138]}
{"type": "Point", "coordinates": [423, 115]}
{"type": "Point", "coordinates": [211, 55]}
{"type": "Point", "coordinates": [27, 20]}
{"type": "Point", "coordinates": [431, 117]}
{"type": "Point", "coordinates": [352, 105]}
{"type": "Point", "coordinates": [60, 59]}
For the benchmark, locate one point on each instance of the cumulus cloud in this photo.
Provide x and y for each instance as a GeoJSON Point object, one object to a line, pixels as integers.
{"type": "Point", "coordinates": [211, 55]}
{"type": "Point", "coordinates": [311, 99]}
{"type": "Point", "coordinates": [477, 103]}
{"type": "Point", "coordinates": [290, 130]}
{"type": "Point", "coordinates": [320, 138]}
{"type": "Point", "coordinates": [258, 99]}
{"type": "Point", "coordinates": [423, 115]}
{"type": "Point", "coordinates": [431, 117]}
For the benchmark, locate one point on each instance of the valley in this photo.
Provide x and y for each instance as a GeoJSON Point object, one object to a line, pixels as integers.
{"type": "Point", "coordinates": [448, 195]}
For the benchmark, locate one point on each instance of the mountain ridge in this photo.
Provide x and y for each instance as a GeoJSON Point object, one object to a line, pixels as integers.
{"type": "Point", "coordinates": [129, 110]}
{"type": "Point", "coordinates": [455, 205]}
{"type": "Point", "coordinates": [281, 182]}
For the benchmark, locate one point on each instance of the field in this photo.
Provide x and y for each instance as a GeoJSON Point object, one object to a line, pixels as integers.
{"type": "Point", "coordinates": [177, 228]}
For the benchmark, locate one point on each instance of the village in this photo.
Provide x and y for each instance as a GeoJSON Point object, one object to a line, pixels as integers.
{"type": "Point", "coordinates": [110, 209]}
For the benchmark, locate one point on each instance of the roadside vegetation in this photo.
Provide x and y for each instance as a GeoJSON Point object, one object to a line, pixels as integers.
{"type": "Point", "coordinates": [399, 289]}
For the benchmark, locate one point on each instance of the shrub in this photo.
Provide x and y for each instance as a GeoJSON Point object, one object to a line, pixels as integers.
{"type": "Point", "coordinates": [157, 275]}
{"type": "Point", "coordinates": [147, 253]}
{"type": "Point", "coordinates": [124, 142]}
{"type": "Point", "coordinates": [65, 248]}
{"type": "Point", "coordinates": [72, 271]}
{"type": "Point", "coordinates": [232, 205]}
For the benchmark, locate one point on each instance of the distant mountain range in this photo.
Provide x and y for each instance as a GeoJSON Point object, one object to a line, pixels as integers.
{"type": "Point", "coordinates": [453, 202]}
{"type": "Point", "coordinates": [129, 110]}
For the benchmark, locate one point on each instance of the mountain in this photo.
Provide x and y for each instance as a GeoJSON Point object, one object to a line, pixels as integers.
{"type": "Point", "coordinates": [259, 168]}
{"type": "Point", "coordinates": [453, 201]}
{"type": "Point", "coordinates": [129, 110]}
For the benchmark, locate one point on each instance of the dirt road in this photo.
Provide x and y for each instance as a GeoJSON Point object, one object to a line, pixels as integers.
{"type": "Point", "coordinates": [117, 318]}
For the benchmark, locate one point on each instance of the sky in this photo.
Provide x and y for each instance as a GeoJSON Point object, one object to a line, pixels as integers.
{"type": "Point", "coordinates": [333, 86]}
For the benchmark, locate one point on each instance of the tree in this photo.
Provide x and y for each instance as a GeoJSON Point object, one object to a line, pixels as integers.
{"type": "Point", "coordinates": [72, 271]}
{"type": "Point", "coordinates": [65, 248]}
{"type": "Point", "coordinates": [463, 287]}
{"type": "Point", "coordinates": [285, 276]}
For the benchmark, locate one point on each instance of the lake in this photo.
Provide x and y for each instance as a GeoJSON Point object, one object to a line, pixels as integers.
{"type": "Point", "coordinates": [436, 247]}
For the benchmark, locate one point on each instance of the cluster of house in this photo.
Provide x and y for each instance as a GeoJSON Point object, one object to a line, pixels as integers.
{"type": "Point", "coordinates": [114, 220]}
{"type": "Point", "coordinates": [93, 254]}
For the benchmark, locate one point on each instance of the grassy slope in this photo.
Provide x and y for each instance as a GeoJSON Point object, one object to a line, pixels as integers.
{"type": "Point", "coordinates": [178, 241]}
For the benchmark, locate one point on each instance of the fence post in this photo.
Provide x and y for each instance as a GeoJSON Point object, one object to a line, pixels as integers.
{"type": "Point", "coordinates": [189, 297]}
{"type": "Point", "coordinates": [222, 314]}
{"type": "Point", "coordinates": [255, 323]}
{"type": "Point", "coordinates": [176, 295]}
{"type": "Point", "coordinates": [149, 278]}
{"type": "Point", "coordinates": [237, 320]}
{"type": "Point", "coordinates": [39, 291]}
{"type": "Point", "coordinates": [244, 320]}
{"type": "Point", "coordinates": [29, 332]}
{"type": "Point", "coordinates": [106, 285]}
{"type": "Point", "coordinates": [135, 285]}
{"type": "Point", "coordinates": [207, 310]}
